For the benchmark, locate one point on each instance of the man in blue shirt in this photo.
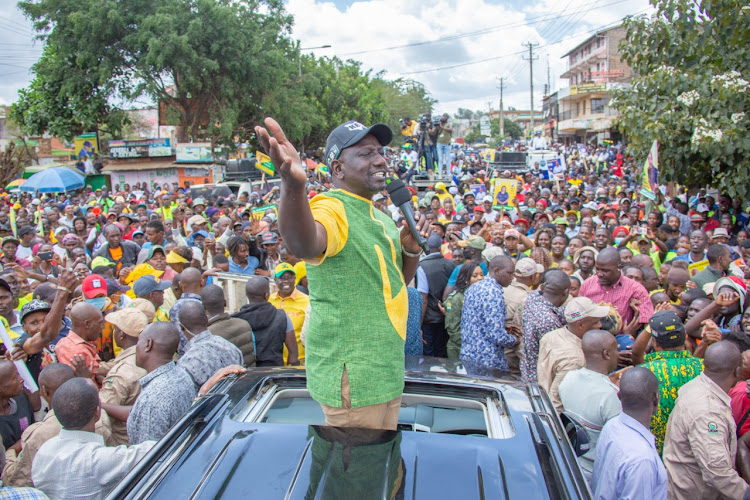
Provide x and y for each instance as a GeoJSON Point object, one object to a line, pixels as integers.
{"type": "Point", "coordinates": [483, 334]}
{"type": "Point", "coordinates": [627, 464]}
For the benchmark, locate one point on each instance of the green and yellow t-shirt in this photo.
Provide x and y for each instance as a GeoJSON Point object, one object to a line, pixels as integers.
{"type": "Point", "coordinates": [358, 302]}
{"type": "Point", "coordinates": [673, 369]}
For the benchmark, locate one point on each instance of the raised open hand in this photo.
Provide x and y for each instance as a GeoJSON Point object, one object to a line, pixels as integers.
{"type": "Point", "coordinates": [283, 154]}
{"type": "Point", "coordinates": [725, 299]}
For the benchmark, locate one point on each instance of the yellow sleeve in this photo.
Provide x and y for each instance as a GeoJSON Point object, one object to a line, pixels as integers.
{"type": "Point", "coordinates": [330, 213]}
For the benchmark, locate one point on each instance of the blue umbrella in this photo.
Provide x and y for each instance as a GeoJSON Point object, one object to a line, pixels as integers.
{"type": "Point", "coordinates": [54, 180]}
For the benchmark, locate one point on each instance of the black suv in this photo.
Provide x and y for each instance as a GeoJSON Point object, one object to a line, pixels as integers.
{"type": "Point", "coordinates": [462, 434]}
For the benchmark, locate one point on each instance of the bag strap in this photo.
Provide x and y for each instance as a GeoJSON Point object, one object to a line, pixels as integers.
{"type": "Point", "coordinates": [742, 421]}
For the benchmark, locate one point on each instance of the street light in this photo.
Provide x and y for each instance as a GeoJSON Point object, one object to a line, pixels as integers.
{"type": "Point", "coordinates": [299, 58]}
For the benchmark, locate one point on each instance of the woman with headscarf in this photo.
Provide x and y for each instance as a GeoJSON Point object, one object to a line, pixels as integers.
{"type": "Point", "coordinates": [469, 274]}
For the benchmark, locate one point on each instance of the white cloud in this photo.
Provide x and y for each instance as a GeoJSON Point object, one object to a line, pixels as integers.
{"type": "Point", "coordinates": [375, 24]}
{"type": "Point", "coordinates": [365, 26]}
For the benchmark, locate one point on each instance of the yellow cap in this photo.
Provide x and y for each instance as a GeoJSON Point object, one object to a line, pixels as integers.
{"type": "Point", "coordinates": [282, 268]}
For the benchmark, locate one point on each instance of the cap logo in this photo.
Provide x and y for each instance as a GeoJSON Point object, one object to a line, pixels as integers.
{"type": "Point", "coordinates": [670, 327]}
{"type": "Point", "coordinates": [354, 126]}
{"type": "Point", "coordinates": [96, 283]}
{"type": "Point", "coordinates": [575, 315]}
{"type": "Point", "coordinates": [333, 153]}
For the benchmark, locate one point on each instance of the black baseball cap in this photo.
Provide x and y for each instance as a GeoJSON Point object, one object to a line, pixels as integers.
{"type": "Point", "coordinates": [667, 329]}
{"type": "Point", "coordinates": [350, 133]}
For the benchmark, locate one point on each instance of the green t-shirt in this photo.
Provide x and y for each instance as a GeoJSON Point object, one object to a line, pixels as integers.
{"type": "Point", "coordinates": [359, 304]}
{"type": "Point", "coordinates": [673, 369]}
{"type": "Point", "coordinates": [444, 137]}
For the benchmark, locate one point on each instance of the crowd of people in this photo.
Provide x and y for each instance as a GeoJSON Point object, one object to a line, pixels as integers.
{"type": "Point", "coordinates": [627, 308]}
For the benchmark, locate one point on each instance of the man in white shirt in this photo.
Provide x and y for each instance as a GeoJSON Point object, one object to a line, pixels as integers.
{"type": "Point", "coordinates": [77, 463]}
{"type": "Point", "coordinates": [489, 214]}
{"type": "Point", "coordinates": [539, 142]}
{"type": "Point", "coordinates": [69, 217]}
{"type": "Point", "coordinates": [88, 166]}
{"type": "Point", "coordinates": [588, 394]}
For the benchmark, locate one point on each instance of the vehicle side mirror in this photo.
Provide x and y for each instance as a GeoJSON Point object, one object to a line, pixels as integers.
{"type": "Point", "coordinates": [577, 434]}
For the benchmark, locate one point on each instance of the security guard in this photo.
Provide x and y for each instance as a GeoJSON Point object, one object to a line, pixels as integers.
{"type": "Point", "coordinates": [701, 442]}
{"type": "Point", "coordinates": [121, 387]}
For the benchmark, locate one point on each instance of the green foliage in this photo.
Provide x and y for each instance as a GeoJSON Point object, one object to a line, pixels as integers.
{"type": "Point", "coordinates": [403, 98]}
{"type": "Point", "coordinates": [512, 131]}
{"type": "Point", "coordinates": [329, 93]}
{"type": "Point", "coordinates": [692, 93]}
{"type": "Point", "coordinates": [64, 100]}
{"type": "Point", "coordinates": [214, 61]}
{"type": "Point", "coordinates": [218, 67]}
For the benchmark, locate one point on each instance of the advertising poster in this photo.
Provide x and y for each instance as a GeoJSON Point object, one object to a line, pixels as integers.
{"type": "Point", "coordinates": [194, 152]}
{"type": "Point", "coordinates": [650, 174]}
{"type": "Point", "coordinates": [86, 144]}
{"type": "Point", "coordinates": [479, 190]}
{"type": "Point", "coordinates": [504, 191]}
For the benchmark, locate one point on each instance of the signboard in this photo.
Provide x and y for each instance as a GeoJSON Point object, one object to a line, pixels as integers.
{"type": "Point", "coordinates": [86, 144]}
{"type": "Point", "coordinates": [159, 176]}
{"type": "Point", "coordinates": [587, 88]}
{"type": "Point", "coordinates": [484, 126]}
{"type": "Point", "coordinates": [142, 148]}
{"type": "Point", "coordinates": [194, 152]}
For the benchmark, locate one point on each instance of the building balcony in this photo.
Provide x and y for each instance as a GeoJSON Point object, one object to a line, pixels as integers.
{"type": "Point", "coordinates": [599, 54]}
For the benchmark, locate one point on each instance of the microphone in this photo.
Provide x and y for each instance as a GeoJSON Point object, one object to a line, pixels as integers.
{"type": "Point", "coordinates": [401, 197]}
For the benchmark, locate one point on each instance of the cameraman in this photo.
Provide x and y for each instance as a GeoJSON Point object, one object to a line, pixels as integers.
{"type": "Point", "coordinates": [408, 129]}
{"type": "Point", "coordinates": [445, 133]}
{"type": "Point", "coordinates": [430, 143]}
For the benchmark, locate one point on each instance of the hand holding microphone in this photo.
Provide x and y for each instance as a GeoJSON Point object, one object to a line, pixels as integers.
{"type": "Point", "coordinates": [418, 230]}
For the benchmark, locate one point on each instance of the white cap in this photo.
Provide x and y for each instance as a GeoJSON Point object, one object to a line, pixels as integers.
{"type": "Point", "coordinates": [528, 267]}
{"type": "Point", "coordinates": [583, 307]}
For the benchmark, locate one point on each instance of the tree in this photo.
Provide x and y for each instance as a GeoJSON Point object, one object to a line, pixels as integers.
{"type": "Point", "coordinates": [212, 63]}
{"type": "Point", "coordinates": [64, 100]}
{"type": "Point", "coordinates": [692, 62]}
{"type": "Point", "coordinates": [403, 98]}
{"type": "Point", "coordinates": [512, 131]}
{"type": "Point", "coordinates": [329, 93]}
{"type": "Point", "coordinates": [464, 114]}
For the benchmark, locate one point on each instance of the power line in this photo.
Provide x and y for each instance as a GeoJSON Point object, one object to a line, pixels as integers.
{"type": "Point", "coordinates": [534, 20]}
{"type": "Point", "coordinates": [495, 58]}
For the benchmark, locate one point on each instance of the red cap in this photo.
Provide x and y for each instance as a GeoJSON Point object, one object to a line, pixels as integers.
{"type": "Point", "coordinates": [479, 208]}
{"type": "Point", "coordinates": [312, 194]}
{"type": "Point", "coordinates": [739, 281]}
{"type": "Point", "coordinates": [542, 201]}
{"type": "Point", "coordinates": [523, 221]}
{"type": "Point", "coordinates": [620, 229]}
{"type": "Point", "coordinates": [93, 285]}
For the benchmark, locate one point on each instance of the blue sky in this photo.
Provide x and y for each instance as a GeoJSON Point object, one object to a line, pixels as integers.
{"type": "Point", "coordinates": [366, 29]}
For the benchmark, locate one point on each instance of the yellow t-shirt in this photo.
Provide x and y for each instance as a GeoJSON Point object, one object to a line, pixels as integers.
{"type": "Point", "coordinates": [294, 306]}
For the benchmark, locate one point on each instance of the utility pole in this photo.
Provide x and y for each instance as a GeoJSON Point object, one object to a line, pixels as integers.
{"type": "Point", "coordinates": [502, 118]}
{"type": "Point", "coordinates": [531, 77]}
{"type": "Point", "coordinates": [549, 83]}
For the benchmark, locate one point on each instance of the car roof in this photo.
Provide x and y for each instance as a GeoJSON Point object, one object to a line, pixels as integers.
{"type": "Point", "coordinates": [212, 455]}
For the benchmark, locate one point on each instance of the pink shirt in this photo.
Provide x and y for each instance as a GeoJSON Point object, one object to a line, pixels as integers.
{"type": "Point", "coordinates": [71, 345]}
{"type": "Point", "coordinates": [619, 296]}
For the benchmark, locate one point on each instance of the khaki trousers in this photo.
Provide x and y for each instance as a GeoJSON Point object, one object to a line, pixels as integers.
{"type": "Point", "coordinates": [381, 416]}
